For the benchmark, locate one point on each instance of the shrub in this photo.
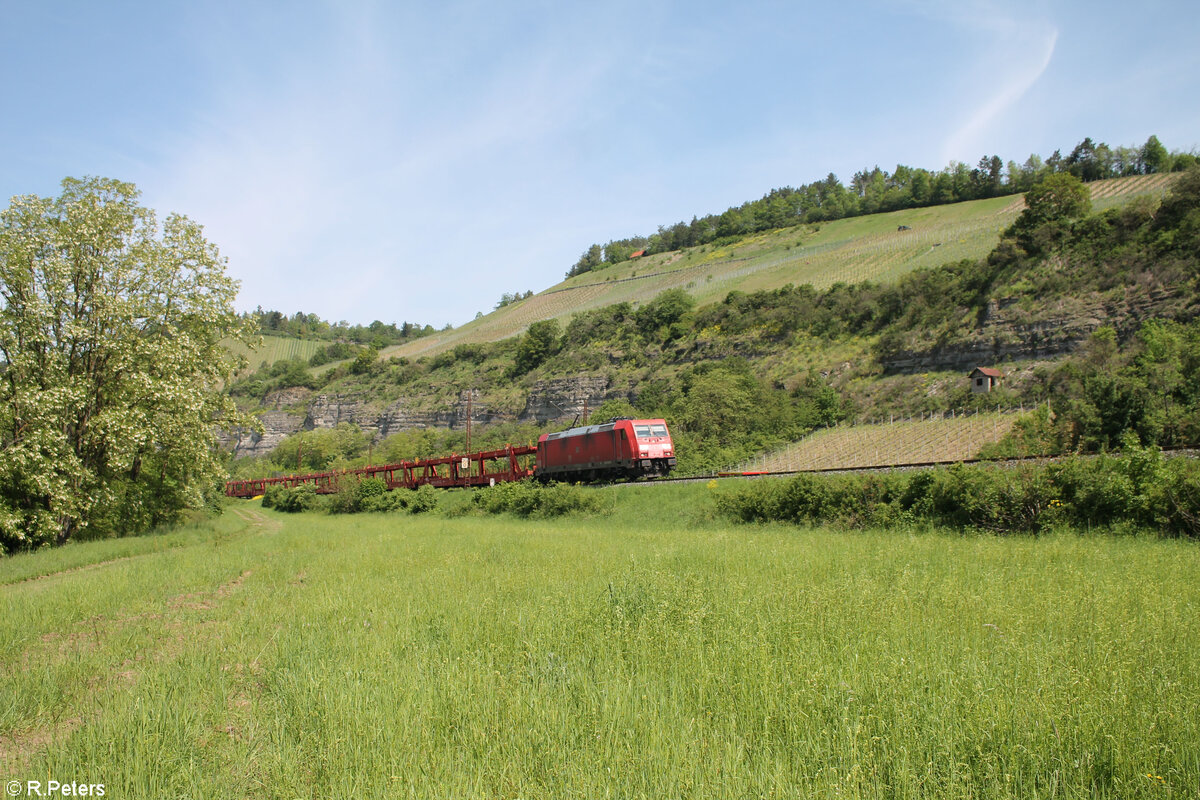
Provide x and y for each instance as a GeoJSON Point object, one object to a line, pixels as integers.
{"type": "Point", "coordinates": [383, 503]}
{"type": "Point", "coordinates": [353, 497]}
{"type": "Point", "coordinates": [755, 502]}
{"type": "Point", "coordinates": [371, 495]}
{"type": "Point", "coordinates": [292, 500]}
{"type": "Point", "coordinates": [541, 340]}
{"type": "Point", "coordinates": [528, 499]}
{"type": "Point", "coordinates": [1138, 488]}
{"type": "Point", "coordinates": [1178, 506]}
{"type": "Point", "coordinates": [999, 500]}
{"type": "Point", "coordinates": [424, 499]}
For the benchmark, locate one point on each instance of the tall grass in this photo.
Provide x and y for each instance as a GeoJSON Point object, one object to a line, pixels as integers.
{"type": "Point", "coordinates": [649, 653]}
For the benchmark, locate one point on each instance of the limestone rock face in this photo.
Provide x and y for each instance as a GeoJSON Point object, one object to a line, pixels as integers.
{"type": "Point", "coordinates": [287, 398]}
{"type": "Point", "coordinates": [277, 425]}
{"type": "Point", "coordinates": [1009, 332]}
{"type": "Point", "coordinates": [329, 410]}
{"type": "Point", "coordinates": [564, 398]}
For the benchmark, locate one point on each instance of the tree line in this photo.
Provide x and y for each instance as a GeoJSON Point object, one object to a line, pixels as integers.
{"type": "Point", "coordinates": [310, 326]}
{"type": "Point", "coordinates": [875, 190]}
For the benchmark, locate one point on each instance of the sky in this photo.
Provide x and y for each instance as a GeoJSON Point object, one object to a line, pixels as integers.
{"type": "Point", "coordinates": [413, 161]}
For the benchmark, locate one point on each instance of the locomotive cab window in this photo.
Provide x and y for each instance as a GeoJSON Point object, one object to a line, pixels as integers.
{"type": "Point", "coordinates": [658, 430]}
{"type": "Point", "coordinates": [641, 431]}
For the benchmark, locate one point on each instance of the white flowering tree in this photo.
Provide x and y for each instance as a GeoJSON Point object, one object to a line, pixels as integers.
{"type": "Point", "coordinates": [111, 365]}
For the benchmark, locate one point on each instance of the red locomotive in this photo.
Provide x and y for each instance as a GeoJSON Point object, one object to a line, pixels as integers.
{"type": "Point", "coordinates": [617, 449]}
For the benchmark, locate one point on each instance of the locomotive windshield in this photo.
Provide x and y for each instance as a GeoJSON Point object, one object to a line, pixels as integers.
{"type": "Point", "coordinates": [647, 431]}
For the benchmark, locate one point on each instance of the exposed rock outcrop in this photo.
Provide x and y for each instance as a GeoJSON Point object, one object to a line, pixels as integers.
{"type": "Point", "coordinates": [565, 398]}
{"type": "Point", "coordinates": [277, 425]}
{"type": "Point", "coordinates": [282, 399]}
{"type": "Point", "coordinates": [1010, 332]}
{"type": "Point", "coordinates": [329, 410]}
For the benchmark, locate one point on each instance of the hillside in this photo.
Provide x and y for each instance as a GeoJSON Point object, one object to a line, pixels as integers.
{"type": "Point", "coordinates": [847, 251]}
{"type": "Point", "coordinates": [755, 343]}
{"type": "Point", "coordinates": [276, 348]}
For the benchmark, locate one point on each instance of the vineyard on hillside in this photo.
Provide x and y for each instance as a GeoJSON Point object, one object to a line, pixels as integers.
{"type": "Point", "coordinates": [277, 348]}
{"type": "Point", "coordinates": [846, 251]}
{"type": "Point", "coordinates": [893, 443]}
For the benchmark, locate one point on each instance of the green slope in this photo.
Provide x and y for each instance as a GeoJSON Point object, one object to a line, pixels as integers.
{"type": "Point", "coordinates": [277, 348]}
{"type": "Point", "coordinates": [849, 251]}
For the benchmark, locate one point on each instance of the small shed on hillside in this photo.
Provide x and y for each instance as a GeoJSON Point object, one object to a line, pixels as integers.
{"type": "Point", "coordinates": [637, 254]}
{"type": "Point", "coordinates": [984, 379]}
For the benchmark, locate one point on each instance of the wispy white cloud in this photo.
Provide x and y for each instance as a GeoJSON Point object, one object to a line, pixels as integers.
{"type": "Point", "coordinates": [1013, 79]}
{"type": "Point", "coordinates": [1010, 47]}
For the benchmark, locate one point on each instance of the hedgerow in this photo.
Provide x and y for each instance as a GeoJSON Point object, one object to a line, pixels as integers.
{"type": "Point", "coordinates": [1138, 489]}
{"type": "Point", "coordinates": [292, 500]}
{"type": "Point", "coordinates": [367, 495]}
{"type": "Point", "coordinates": [530, 499]}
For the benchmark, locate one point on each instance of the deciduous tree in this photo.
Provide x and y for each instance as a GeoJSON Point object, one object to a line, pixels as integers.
{"type": "Point", "coordinates": [111, 362]}
{"type": "Point", "coordinates": [1057, 197]}
{"type": "Point", "coordinates": [541, 341]}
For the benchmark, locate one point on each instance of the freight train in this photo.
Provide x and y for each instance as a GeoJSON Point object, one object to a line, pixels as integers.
{"type": "Point", "coordinates": [620, 449]}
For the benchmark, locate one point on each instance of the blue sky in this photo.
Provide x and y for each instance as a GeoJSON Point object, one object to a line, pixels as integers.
{"type": "Point", "coordinates": [414, 161]}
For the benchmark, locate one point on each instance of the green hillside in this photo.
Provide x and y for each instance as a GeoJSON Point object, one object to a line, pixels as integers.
{"type": "Point", "coordinates": [848, 251]}
{"type": "Point", "coordinates": [756, 343]}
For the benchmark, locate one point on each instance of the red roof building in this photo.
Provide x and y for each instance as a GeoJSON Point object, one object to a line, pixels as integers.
{"type": "Point", "coordinates": [984, 379]}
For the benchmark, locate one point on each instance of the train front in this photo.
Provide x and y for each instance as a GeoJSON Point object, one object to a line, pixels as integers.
{"type": "Point", "coordinates": [654, 449]}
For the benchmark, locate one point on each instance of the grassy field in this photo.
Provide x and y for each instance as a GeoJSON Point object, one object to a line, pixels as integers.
{"type": "Point", "coordinates": [849, 250]}
{"type": "Point", "coordinates": [652, 653]}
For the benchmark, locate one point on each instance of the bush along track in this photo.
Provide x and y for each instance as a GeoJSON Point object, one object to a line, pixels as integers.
{"type": "Point", "coordinates": [1139, 489]}
{"type": "Point", "coordinates": [367, 495]}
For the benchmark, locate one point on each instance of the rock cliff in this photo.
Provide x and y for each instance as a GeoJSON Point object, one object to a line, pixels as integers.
{"type": "Point", "coordinates": [565, 398]}
{"type": "Point", "coordinates": [1011, 332]}
{"type": "Point", "coordinates": [293, 410]}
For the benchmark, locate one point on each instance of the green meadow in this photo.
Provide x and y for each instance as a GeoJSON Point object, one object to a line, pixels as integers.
{"type": "Point", "coordinates": [650, 651]}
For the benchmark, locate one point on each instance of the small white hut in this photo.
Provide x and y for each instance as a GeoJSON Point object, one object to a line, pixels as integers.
{"type": "Point", "coordinates": [984, 379]}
